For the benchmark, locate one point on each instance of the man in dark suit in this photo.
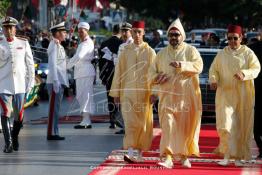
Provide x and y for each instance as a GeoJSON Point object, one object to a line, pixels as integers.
{"type": "Point", "coordinates": [107, 53]}
{"type": "Point", "coordinates": [257, 48]}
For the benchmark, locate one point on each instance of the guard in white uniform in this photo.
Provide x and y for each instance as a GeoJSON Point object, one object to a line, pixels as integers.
{"type": "Point", "coordinates": [84, 74]}
{"type": "Point", "coordinates": [57, 79]}
{"type": "Point", "coordinates": [17, 75]}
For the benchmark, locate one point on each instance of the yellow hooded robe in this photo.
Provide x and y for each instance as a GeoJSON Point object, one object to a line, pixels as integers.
{"type": "Point", "coordinates": [131, 84]}
{"type": "Point", "coordinates": [180, 105]}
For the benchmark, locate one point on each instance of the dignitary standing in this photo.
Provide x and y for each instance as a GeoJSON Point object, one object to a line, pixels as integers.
{"type": "Point", "coordinates": [107, 53]}
{"type": "Point", "coordinates": [17, 75]}
{"type": "Point", "coordinates": [84, 74]}
{"type": "Point", "coordinates": [57, 79]}
{"type": "Point", "coordinates": [175, 71]}
{"type": "Point", "coordinates": [132, 90]}
{"type": "Point", "coordinates": [231, 74]}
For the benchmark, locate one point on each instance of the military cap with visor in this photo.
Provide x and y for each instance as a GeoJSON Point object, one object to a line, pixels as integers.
{"type": "Point", "coordinates": [9, 21]}
{"type": "Point", "coordinates": [126, 26]}
{"type": "Point", "coordinates": [58, 27]}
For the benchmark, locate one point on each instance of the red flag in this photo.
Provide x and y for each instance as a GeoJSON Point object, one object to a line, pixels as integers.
{"type": "Point", "coordinates": [92, 4]}
{"type": "Point", "coordinates": [105, 3]}
{"type": "Point", "coordinates": [56, 2]}
{"type": "Point", "coordinates": [35, 3]}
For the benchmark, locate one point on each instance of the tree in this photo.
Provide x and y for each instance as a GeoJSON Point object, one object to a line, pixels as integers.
{"type": "Point", "coordinates": [199, 13]}
{"type": "Point", "coordinates": [4, 5]}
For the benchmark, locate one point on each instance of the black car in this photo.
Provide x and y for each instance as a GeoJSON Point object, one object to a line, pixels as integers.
{"type": "Point", "coordinates": [208, 95]}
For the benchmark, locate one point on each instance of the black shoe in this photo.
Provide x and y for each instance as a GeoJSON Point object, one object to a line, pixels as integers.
{"type": "Point", "coordinates": [129, 159]}
{"type": "Point", "coordinates": [83, 127]}
{"type": "Point", "coordinates": [15, 145]}
{"type": "Point", "coordinates": [1, 131]}
{"type": "Point", "coordinates": [112, 126]}
{"type": "Point", "coordinates": [7, 134]}
{"type": "Point", "coordinates": [8, 149]}
{"type": "Point", "coordinates": [118, 123]}
{"type": "Point", "coordinates": [15, 132]}
{"type": "Point", "coordinates": [259, 156]}
{"type": "Point", "coordinates": [55, 137]}
{"type": "Point", "coordinates": [120, 132]}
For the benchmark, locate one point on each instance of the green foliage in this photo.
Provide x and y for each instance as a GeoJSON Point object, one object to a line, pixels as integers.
{"type": "Point", "coordinates": [153, 23]}
{"type": "Point", "coordinates": [200, 12]}
{"type": "Point", "coordinates": [101, 32]}
{"type": "Point", "coordinates": [4, 4]}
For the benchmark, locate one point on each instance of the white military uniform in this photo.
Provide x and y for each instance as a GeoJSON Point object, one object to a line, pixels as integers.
{"type": "Point", "coordinates": [84, 74]}
{"type": "Point", "coordinates": [17, 74]}
{"type": "Point", "coordinates": [122, 47]}
{"type": "Point", "coordinates": [57, 80]}
{"type": "Point", "coordinates": [56, 64]}
{"type": "Point", "coordinates": [17, 70]}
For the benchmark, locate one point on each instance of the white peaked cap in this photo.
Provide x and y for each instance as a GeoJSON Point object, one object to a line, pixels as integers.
{"type": "Point", "coordinates": [60, 26]}
{"type": "Point", "coordinates": [177, 24]}
{"type": "Point", "coordinates": [84, 25]}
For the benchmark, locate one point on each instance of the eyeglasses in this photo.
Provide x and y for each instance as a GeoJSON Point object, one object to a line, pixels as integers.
{"type": "Point", "coordinates": [232, 38]}
{"type": "Point", "coordinates": [174, 35]}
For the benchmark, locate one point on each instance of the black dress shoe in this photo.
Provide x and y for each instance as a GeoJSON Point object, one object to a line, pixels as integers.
{"type": "Point", "coordinates": [83, 127]}
{"type": "Point", "coordinates": [118, 124]}
{"type": "Point", "coordinates": [129, 159]}
{"type": "Point", "coordinates": [259, 156]}
{"type": "Point", "coordinates": [120, 132]}
{"type": "Point", "coordinates": [112, 126]}
{"type": "Point", "coordinates": [8, 149]}
{"type": "Point", "coordinates": [55, 137]}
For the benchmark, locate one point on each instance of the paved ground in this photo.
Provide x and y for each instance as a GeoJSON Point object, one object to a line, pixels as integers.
{"type": "Point", "coordinates": [77, 155]}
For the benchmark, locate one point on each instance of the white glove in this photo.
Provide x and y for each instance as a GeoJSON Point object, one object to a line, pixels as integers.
{"type": "Point", "coordinates": [56, 86]}
{"type": "Point", "coordinates": [28, 89]}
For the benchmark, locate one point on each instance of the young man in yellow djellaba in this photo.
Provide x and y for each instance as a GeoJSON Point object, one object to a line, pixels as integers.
{"type": "Point", "coordinates": [175, 72]}
{"type": "Point", "coordinates": [231, 74]}
{"type": "Point", "coordinates": [131, 89]}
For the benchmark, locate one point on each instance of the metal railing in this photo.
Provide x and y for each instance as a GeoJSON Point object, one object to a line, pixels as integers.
{"type": "Point", "coordinates": [39, 54]}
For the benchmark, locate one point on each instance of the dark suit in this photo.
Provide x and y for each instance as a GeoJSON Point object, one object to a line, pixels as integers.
{"type": "Point", "coordinates": [257, 48]}
{"type": "Point", "coordinates": [106, 68]}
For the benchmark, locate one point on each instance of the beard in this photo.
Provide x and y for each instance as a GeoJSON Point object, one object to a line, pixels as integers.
{"type": "Point", "coordinates": [174, 42]}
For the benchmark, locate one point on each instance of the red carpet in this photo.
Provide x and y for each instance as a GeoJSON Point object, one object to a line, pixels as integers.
{"type": "Point", "coordinates": [206, 164]}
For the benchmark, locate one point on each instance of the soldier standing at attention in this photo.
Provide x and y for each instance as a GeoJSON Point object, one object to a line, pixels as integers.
{"type": "Point", "coordinates": [57, 79]}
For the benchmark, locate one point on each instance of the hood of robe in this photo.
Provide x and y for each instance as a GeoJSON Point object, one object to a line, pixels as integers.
{"type": "Point", "coordinates": [178, 25]}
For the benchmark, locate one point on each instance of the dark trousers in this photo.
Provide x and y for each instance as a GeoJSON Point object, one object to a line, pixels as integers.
{"type": "Point", "coordinates": [258, 125]}
{"type": "Point", "coordinates": [112, 108]}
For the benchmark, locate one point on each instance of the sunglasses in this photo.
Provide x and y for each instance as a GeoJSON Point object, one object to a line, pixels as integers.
{"type": "Point", "coordinates": [174, 35]}
{"type": "Point", "coordinates": [232, 38]}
